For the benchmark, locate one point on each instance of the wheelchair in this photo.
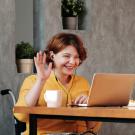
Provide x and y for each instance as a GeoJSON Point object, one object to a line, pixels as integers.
{"type": "Point", "coordinates": [19, 126]}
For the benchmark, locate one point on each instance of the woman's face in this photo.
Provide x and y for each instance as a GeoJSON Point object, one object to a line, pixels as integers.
{"type": "Point", "coordinates": [66, 61]}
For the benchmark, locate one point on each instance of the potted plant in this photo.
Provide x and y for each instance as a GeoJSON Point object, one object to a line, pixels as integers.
{"type": "Point", "coordinates": [70, 10]}
{"type": "Point", "coordinates": [24, 57]}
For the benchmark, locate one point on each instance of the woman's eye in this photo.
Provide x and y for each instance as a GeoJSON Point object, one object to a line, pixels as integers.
{"type": "Point", "coordinates": [66, 56]}
{"type": "Point", "coordinates": [77, 57]}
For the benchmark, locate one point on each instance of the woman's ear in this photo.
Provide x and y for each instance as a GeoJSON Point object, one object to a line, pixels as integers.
{"type": "Point", "coordinates": [51, 55]}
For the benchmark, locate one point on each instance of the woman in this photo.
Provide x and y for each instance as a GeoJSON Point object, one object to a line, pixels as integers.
{"type": "Point", "coordinates": [64, 53]}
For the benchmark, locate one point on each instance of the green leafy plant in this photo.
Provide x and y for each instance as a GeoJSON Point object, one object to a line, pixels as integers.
{"type": "Point", "coordinates": [24, 51]}
{"type": "Point", "coordinates": [72, 7]}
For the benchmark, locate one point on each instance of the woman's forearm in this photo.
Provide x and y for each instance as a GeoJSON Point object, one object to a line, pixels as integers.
{"type": "Point", "coordinates": [33, 95]}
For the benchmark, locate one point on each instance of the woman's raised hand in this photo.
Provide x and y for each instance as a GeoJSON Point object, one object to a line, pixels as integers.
{"type": "Point", "coordinates": [43, 72]}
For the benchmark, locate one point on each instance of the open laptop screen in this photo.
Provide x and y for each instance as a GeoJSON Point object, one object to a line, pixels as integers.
{"type": "Point", "coordinates": [111, 89]}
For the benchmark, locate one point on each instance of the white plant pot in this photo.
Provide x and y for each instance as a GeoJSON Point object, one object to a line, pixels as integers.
{"type": "Point", "coordinates": [70, 23]}
{"type": "Point", "coordinates": [24, 65]}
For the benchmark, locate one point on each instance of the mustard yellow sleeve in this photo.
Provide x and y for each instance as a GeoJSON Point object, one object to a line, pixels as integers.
{"type": "Point", "coordinates": [26, 86]}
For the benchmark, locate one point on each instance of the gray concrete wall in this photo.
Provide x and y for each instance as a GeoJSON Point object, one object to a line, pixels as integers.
{"type": "Point", "coordinates": [9, 76]}
{"type": "Point", "coordinates": [7, 63]}
{"type": "Point", "coordinates": [109, 39]}
{"type": "Point", "coordinates": [24, 21]}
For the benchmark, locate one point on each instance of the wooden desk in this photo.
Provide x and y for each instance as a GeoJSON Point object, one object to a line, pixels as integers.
{"type": "Point", "coordinates": [104, 114]}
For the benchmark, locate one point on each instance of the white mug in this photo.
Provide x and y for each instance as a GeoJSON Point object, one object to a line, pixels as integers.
{"type": "Point", "coordinates": [53, 98]}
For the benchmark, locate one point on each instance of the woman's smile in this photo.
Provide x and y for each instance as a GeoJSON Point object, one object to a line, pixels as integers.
{"type": "Point", "coordinates": [69, 68]}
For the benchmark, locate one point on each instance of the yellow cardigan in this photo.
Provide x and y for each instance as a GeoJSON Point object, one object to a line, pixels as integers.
{"type": "Point", "coordinates": [77, 86]}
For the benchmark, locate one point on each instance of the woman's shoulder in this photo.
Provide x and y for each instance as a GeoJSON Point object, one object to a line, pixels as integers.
{"type": "Point", "coordinates": [31, 77]}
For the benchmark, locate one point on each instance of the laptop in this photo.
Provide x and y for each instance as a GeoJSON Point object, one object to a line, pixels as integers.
{"type": "Point", "coordinates": [110, 89]}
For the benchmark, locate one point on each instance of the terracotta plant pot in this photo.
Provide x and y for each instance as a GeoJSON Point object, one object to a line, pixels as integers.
{"type": "Point", "coordinates": [24, 65]}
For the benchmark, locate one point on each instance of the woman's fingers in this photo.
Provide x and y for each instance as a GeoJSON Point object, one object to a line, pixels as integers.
{"type": "Point", "coordinates": [44, 58]}
{"type": "Point", "coordinates": [41, 58]}
{"type": "Point", "coordinates": [50, 66]}
{"type": "Point", "coordinates": [49, 69]}
{"type": "Point", "coordinates": [77, 100]}
{"type": "Point", "coordinates": [81, 99]}
{"type": "Point", "coordinates": [85, 101]}
{"type": "Point", "coordinates": [38, 57]}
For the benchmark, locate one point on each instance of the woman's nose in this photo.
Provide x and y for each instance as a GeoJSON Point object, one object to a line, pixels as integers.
{"type": "Point", "coordinates": [72, 60]}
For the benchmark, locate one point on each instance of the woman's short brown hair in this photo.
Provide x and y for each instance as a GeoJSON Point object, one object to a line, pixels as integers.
{"type": "Point", "coordinates": [61, 41]}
